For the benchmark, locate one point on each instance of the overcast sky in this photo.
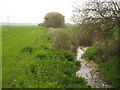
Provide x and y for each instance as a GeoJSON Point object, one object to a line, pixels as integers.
{"type": "Point", "coordinates": [33, 11]}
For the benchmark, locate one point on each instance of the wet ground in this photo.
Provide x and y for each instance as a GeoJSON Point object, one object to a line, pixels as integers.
{"type": "Point", "coordinates": [88, 70]}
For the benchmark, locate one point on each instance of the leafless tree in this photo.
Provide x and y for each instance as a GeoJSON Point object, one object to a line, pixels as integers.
{"type": "Point", "coordinates": [99, 15]}
{"type": "Point", "coordinates": [104, 13]}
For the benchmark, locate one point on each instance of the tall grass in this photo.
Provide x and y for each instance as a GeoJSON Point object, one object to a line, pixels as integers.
{"type": "Point", "coordinates": [110, 70]}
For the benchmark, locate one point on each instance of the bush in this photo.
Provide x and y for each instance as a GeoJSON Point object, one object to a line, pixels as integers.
{"type": "Point", "coordinates": [107, 50]}
{"type": "Point", "coordinates": [77, 63]}
{"type": "Point", "coordinates": [42, 55]}
{"type": "Point", "coordinates": [57, 54]}
{"type": "Point", "coordinates": [100, 46]}
{"type": "Point", "coordinates": [91, 54]}
{"type": "Point", "coordinates": [65, 39]}
{"type": "Point", "coordinates": [85, 38]}
{"type": "Point", "coordinates": [65, 55]}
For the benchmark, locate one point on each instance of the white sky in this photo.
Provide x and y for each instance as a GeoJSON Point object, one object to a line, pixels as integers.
{"type": "Point", "coordinates": [33, 11]}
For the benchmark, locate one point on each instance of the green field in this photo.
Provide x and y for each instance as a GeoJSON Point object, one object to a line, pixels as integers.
{"type": "Point", "coordinates": [30, 61]}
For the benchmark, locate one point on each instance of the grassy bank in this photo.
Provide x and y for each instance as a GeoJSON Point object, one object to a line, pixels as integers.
{"type": "Point", "coordinates": [29, 61]}
{"type": "Point", "coordinates": [108, 67]}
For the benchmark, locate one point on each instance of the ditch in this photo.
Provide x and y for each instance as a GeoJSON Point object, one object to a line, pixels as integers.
{"type": "Point", "coordinates": [89, 72]}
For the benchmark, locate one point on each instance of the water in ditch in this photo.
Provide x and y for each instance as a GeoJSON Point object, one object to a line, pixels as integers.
{"type": "Point", "coordinates": [88, 70]}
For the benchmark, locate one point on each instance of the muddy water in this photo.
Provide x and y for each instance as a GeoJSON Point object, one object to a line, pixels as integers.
{"type": "Point", "coordinates": [88, 70]}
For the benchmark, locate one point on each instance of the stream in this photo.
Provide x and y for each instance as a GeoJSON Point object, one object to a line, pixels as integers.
{"type": "Point", "coordinates": [88, 71]}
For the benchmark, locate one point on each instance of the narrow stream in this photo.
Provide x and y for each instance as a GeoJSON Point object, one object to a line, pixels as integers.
{"type": "Point", "coordinates": [88, 71]}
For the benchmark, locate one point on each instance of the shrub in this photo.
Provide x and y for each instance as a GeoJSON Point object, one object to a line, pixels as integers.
{"type": "Point", "coordinates": [106, 50]}
{"type": "Point", "coordinates": [85, 38]}
{"type": "Point", "coordinates": [100, 46]}
{"type": "Point", "coordinates": [58, 54]}
{"type": "Point", "coordinates": [44, 55]}
{"type": "Point", "coordinates": [77, 63]}
{"type": "Point", "coordinates": [91, 54]}
{"type": "Point", "coordinates": [65, 55]}
{"type": "Point", "coordinates": [65, 39]}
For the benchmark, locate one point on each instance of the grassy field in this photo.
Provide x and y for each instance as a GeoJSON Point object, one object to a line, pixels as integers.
{"type": "Point", "coordinates": [16, 38]}
{"type": "Point", "coordinates": [29, 61]}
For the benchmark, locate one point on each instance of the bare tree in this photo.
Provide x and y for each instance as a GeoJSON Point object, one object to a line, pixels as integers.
{"type": "Point", "coordinates": [98, 12]}
{"type": "Point", "coordinates": [99, 15]}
